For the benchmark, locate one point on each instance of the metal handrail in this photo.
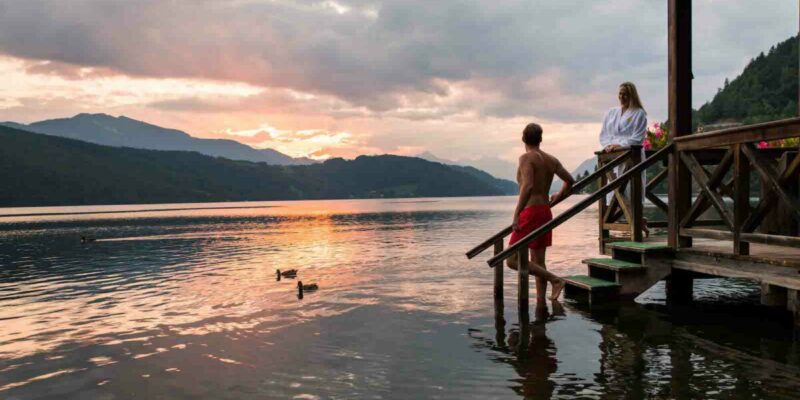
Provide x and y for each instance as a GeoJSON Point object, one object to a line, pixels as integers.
{"type": "Point", "coordinates": [580, 206]}
{"type": "Point", "coordinates": [575, 188]}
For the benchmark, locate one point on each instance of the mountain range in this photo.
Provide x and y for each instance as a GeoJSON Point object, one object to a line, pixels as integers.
{"type": "Point", "coordinates": [126, 132]}
{"type": "Point", "coordinates": [508, 170]}
{"type": "Point", "coordinates": [41, 170]}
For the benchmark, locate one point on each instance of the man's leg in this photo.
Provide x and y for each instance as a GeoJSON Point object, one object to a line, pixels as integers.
{"type": "Point", "coordinates": [537, 259]}
{"type": "Point", "coordinates": [538, 269]}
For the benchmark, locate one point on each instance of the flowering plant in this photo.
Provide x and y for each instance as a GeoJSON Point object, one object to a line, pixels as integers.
{"type": "Point", "coordinates": [791, 142]}
{"type": "Point", "coordinates": [656, 137]}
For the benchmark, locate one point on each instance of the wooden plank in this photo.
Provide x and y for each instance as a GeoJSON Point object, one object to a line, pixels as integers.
{"type": "Point", "coordinates": [768, 131]}
{"type": "Point", "coordinates": [612, 264]}
{"type": "Point", "coordinates": [776, 240]}
{"type": "Point", "coordinates": [640, 247]}
{"type": "Point", "coordinates": [579, 206]}
{"type": "Point", "coordinates": [768, 173]}
{"type": "Point", "coordinates": [616, 227]}
{"type": "Point", "coordinates": [702, 179]}
{"type": "Point", "coordinates": [589, 283]}
{"type": "Point", "coordinates": [498, 272]}
{"type": "Point", "coordinates": [707, 233]}
{"type": "Point", "coordinates": [774, 275]}
{"type": "Point", "coordinates": [741, 199]}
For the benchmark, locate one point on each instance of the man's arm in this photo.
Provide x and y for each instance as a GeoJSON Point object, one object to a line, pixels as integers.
{"type": "Point", "coordinates": [568, 180]}
{"type": "Point", "coordinates": [525, 172]}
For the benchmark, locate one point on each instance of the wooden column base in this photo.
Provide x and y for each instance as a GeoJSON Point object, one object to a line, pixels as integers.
{"type": "Point", "coordinates": [680, 286]}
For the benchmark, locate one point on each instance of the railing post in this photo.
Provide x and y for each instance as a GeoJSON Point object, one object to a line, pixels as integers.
{"type": "Point", "coordinates": [601, 209]}
{"type": "Point", "coordinates": [741, 201]}
{"type": "Point", "coordinates": [522, 285]}
{"type": "Point", "coordinates": [636, 196]}
{"type": "Point", "coordinates": [498, 272]}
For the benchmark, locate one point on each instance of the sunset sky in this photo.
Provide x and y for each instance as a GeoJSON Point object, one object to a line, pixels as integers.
{"type": "Point", "coordinates": [349, 77]}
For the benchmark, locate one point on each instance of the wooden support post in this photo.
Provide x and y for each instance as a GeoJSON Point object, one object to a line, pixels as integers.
{"type": "Point", "coordinates": [499, 323]}
{"type": "Point", "coordinates": [601, 211]}
{"type": "Point", "coordinates": [522, 285]}
{"type": "Point", "coordinates": [741, 200]}
{"type": "Point", "coordinates": [498, 272]}
{"type": "Point", "coordinates": [680, 113]}
{"type": "Point", "coordinates": [636, 197]}
{"type": "Point", "coordinates": [773, 296]}
{"type": "Point", "coordinates": [793, 305]}
{"type": "Point", "coordinates": [679, 287]}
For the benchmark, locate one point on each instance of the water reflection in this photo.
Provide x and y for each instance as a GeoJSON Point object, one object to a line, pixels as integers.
{"type": "Point", "coordinates": [650, 352]}
{"type": "Point", "coordinates": [185, 303]}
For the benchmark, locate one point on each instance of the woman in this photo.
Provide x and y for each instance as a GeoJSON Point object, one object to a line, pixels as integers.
{"type": "Point", "coordinates": [625, 126]}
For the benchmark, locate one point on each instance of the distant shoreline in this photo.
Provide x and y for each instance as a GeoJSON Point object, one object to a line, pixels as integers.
{"type": "Point", "coordinates": [129, 211]}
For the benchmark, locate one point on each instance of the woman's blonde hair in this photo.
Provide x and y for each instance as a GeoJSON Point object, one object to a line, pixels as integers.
{"type": "Point", "coordinates": [633, 93]}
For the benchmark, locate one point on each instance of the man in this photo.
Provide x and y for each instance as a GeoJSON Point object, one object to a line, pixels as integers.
{"type": "Point", "coordinates": [534, 176]}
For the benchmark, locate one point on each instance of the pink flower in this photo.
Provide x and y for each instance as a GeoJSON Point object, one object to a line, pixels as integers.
{"type": "Point", "coordinates": [763, 145]}
{"type": "Point", "coordinates": [659, 133]}
{"type": "Point", "coordinates": [656, 126]}
{"type": "Point", "coordinates": [647, 145]}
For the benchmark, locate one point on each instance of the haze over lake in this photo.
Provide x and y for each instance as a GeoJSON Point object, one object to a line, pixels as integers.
{"type": "Point", "coordinates": [184, 303]}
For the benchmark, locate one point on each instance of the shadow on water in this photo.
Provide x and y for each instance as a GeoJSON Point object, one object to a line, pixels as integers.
{"type": "Point", "coordinates": [689, 351]}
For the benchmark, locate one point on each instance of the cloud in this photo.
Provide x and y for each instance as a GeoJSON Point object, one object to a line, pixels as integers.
{"type": "Point", "coordinates": [372, 53]}
{"type": "Point", "coordinates": [457, 77]}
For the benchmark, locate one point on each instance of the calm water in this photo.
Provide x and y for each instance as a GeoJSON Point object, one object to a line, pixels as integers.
{"type": "Point", "coordinates": [184, 304]}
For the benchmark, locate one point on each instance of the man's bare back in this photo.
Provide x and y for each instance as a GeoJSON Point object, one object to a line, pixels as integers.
{"type": "Point", "coordinates": [536, 171]}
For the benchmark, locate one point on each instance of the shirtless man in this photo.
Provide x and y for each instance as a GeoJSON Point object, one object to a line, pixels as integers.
{"type": "Point", "coordinates": [535, 174]}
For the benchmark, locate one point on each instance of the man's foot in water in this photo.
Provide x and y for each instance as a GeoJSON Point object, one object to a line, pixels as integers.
{"type": "Point", "coordinates": [558, 286]}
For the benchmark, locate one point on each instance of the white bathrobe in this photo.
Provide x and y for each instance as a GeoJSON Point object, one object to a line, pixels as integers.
{"type": "Point", "coordinates": [626, 129]}
{"type": "Point", "coordinates": [623, 129]}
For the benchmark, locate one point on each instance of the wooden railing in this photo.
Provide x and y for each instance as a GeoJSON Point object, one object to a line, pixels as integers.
{"type": "Point", "coordinates": [735, 155]}
{"type": "Point", "coordinates": [496, 240]}
{"type": "Point", "coordinates": [633, 173]}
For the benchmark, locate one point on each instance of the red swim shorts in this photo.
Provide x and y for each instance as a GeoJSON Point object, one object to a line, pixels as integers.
{"type": "Point", "coordinates": [531, 218]}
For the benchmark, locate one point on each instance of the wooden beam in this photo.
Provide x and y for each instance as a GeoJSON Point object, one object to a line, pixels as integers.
{"type": "Point", "coordinates": [707, 233]}
{"type": "Point", "coordinates": [768, 199]}
{"type": "Point", "coordinates": [768, 131]}
{"type": "Point", "coordinates": [702, 179]}
{"type": "Point", "coordinates": [498, 272]}
{"type": "Point", "coordinates": [768, 173]}
{"type": "Point", "coordinates": [657, 202]}
{"type": "Point", "coordinates": [636, 203]}
{"type": "Point", "coordinates": [741, 199]}
{"type": "Point", "coordinates": [522, 282]}
{"type": "Point", "coordinates": [701, 204]}
{"type": "Point", "coordinates": [679, 91]}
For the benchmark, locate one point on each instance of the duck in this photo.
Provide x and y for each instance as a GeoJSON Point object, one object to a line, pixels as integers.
{"type": "Point", "coordinates": [292, 273]}
{"type": "Point", "coordinates": [85, 239]}
{"type": "Point", "coordinates": [305, 288]}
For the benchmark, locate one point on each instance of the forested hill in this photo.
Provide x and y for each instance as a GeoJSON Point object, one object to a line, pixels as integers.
{"type": "Point", "coordinates": [39, 170]}
{"type": "Point", "coordinates": [765, 91]}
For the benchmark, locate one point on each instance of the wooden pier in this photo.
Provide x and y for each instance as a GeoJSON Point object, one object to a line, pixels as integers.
{"type": "Point", "coordinates": [752, 240]}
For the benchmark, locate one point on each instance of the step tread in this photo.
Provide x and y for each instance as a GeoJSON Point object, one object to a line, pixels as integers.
{"type": "Point", "coordinates": [589, 283]}
{"type": "Point", "coordinates": [612, 264]}
{"type": "Point", "coordinates": [641, 247]}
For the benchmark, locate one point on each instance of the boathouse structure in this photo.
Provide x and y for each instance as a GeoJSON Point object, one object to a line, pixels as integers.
{"type": "Point", "coordinates": [754, 235]}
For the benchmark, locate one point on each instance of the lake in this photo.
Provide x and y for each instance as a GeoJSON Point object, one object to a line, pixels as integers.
{"type": "Point", "coordinates": [181, 302]}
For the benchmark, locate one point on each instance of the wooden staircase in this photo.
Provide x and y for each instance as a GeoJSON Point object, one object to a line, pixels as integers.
{"type": "Point", "coordinates": [632, 268]}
